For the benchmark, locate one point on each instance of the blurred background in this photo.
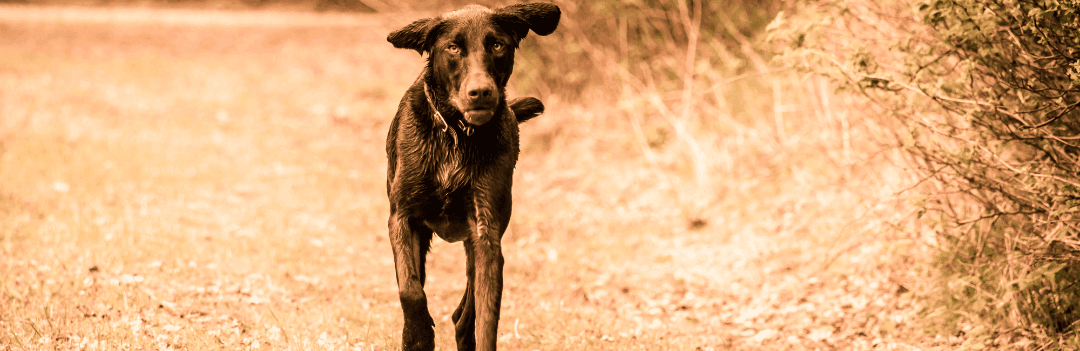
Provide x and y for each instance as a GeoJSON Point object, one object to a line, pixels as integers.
{"type": "Point", "coordinates": [187, 174]}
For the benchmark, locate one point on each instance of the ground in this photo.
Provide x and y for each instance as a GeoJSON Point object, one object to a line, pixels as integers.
{"type": "Point", "coordinates": [180, 179]}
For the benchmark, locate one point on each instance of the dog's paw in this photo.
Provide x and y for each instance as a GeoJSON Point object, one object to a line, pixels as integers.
{"type": "Point", "coordinates": [525, 108]}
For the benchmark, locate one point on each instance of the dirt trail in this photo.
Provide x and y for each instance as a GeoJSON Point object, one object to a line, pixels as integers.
{"type": "Point", "coordinates": [197, 179]}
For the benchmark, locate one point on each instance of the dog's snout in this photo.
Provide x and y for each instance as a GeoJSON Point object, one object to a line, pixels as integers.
{"type": "Point", "coordinates": [480, 99]}
{"type": "Point", "coordinates": [480, 89]}
{"type": "Point", "coordinates": [477, 96]}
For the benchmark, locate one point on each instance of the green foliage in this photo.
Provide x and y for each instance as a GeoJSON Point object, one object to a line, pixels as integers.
{"type": "Point", "coordinates": [988, 94]}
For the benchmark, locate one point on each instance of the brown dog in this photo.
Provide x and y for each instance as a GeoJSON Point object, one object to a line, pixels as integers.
{"type": "Point", "coordinates": [451, 153]}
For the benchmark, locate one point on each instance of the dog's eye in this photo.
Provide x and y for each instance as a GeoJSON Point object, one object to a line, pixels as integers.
{"type": "Point", "coordinates": [453, 49]}
{"type": "Point", "coordinates": [496, 47]}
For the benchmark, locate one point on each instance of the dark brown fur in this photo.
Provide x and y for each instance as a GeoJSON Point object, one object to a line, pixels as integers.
{"type": "Point", "coordinates": [451, 153]}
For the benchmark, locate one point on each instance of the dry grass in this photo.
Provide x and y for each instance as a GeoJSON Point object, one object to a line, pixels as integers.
{"type": "Point", "coordinates": [168, 183]}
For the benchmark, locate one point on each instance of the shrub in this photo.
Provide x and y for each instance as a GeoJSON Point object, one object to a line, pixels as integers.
{"type": "Point", "coordinates": [609, 42]}
{"type": "Point", "coordinates": [987, 96]}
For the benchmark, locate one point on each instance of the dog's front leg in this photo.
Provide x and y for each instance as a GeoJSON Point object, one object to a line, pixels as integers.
{"type": "Point", "coordinates": [487, 287]}
{"type": "Point", "coordinates": [487, 269]}
{"type": "Point", "coordinates": [410, 241]}
{"type": "Point", "coordinates": [465, 314]}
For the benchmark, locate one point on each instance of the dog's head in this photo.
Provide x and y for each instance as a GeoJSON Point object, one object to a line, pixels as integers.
{"type": "Point", "coordinates": [471, 52]}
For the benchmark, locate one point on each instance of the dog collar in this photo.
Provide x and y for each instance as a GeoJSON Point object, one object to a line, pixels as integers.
{"type": "Point", "coordinates": [465, 128]}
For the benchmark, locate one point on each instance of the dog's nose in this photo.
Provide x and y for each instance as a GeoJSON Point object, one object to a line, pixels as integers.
{"type": "Point", "coordinates": [481, 92]}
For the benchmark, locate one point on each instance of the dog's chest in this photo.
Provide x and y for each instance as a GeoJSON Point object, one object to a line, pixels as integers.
{"type": "Point", "coordinates": [452, 173]}
{"type": "Point", "coordinates": [451, 219]}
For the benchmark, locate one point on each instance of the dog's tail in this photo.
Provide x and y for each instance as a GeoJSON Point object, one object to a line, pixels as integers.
{"type": "Point", "coordinates": [525, 108]}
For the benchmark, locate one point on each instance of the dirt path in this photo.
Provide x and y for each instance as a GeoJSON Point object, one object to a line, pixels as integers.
{"type": "Point", "coordinates": [210, 179]}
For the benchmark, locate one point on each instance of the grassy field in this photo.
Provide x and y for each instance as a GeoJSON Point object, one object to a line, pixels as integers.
{"type": "Point", "coordinates": [174, 179]}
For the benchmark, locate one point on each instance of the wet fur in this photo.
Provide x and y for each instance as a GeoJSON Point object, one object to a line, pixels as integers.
{"type": "Point", "coordinates": [452, 177]}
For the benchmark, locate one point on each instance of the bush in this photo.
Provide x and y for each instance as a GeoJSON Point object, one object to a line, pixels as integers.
{"type": "Point", "coordinates": [987, 94]}
{"type": "Point", "coordinates": [603, 43]}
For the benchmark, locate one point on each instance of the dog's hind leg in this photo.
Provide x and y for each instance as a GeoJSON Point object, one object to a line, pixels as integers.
{"type": "Point", "coordinates": [465, 314]}
{"type": "Point", "coordinates": [410, 241]}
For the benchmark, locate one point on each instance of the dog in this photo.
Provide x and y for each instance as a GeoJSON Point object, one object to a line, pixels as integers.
{"type": "Point", "coordinates": [451, 152]}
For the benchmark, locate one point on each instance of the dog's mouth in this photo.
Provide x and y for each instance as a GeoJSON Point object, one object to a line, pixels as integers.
{"type": "Point", "coordinates": [479, 116]}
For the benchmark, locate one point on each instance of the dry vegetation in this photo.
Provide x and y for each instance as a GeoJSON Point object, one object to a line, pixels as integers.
{"type": "Point", "coordinates": [212, 180]}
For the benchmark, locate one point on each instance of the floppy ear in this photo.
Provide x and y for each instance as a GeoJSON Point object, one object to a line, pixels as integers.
{"type": "Point", "coordinates": [413, 36]}
{"type": "Point", "coordinates": [541, 17]}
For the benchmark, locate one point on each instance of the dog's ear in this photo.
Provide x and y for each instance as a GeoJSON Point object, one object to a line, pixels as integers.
{"type": "Point", "coordinates": [414, 36]}
{"type": "Point", "coordinates": [541, 17]}
{"type": "Point", "coordinates": [525, 108]}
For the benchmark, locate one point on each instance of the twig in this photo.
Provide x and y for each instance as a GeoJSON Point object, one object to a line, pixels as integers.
{"type": "Point", "coordinates": [283, 331]}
